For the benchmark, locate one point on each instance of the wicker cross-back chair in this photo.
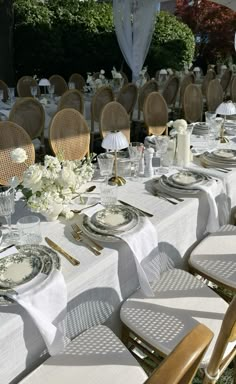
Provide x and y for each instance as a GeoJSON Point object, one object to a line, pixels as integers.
{"type": "Point", "coordinates": [233, 89]}
{"type": "Point", "coordinates": [24, 84]}
{"type": "Point", "coordinates": [59, 84]}
{"type": "Point", "coordinates": [69, 134]}
{"type": "Point", "coordinates": [150, 86]}
{"type": "Point", "coordinates": [170, 91]}
{"type": "Point", "coordinates": [29, 114]}
{"type": "Point", "coordinates": [193, 103]}
{"type": "Point", "coordinates": [114, 118]}
{"type": "Point", "coordinates": [188, 79]}
{"type": "Point", "coordinates": [72, 99]}
{"type": "Point", "coordinates": [78, 80]}
{"type": "Point", "coordinates": [128, 97]}
{"type": "Point", "coordinates": [210, 75]}
{"type": "Point", "coordinates": [13, 136]}
{"type": "Point", "coordinates": [4, 87]}
{"type": "Point", "coordinates": [100, 348]}
{"type": "Point", "coordinates": [155, 113]}
{"type": "Point", "coordinates": [225, 80]}
{"type": "Point", "coordinates": [215, 95]}
{"type": "Point", "coordinates": [103, 96]}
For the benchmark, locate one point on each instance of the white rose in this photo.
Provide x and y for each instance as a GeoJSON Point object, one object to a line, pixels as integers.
{"type": "Point", "coordinates": [67, 178]}
{"type": "Point", "coordinates": [19, 155]}
{"type": "Point", "coordinates": [180, 125]}
{"type": "Point", "coordinates": [32, 178]}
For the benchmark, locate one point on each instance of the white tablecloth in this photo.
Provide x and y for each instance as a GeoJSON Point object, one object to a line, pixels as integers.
{"type": "Point", "coordinates": [97, 287]}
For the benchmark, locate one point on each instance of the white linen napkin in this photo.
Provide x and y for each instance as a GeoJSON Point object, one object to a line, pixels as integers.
{"type": "Point", "coordinates": [46, 302]}
{"type": "Point", "coordinates": [143, 242]}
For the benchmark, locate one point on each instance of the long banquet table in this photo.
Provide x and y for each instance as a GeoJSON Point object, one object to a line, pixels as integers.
{"type": "Point", "coordinates": [97, 287]}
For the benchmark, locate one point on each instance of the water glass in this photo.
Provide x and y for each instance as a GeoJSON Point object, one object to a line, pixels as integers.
{"type": "Point", "coordinates": [7, 207]}
{"type": "Point", "coordinates": [29, 230]}
{"type": "Point", "coordinates": [108, 194]}
{"type": "Point", "coordinates": [210, 118]}
{"type": "Point", "coordinates": [34, 90]}
{"type": "Point", "coordinates": [135, 153]}
{"type": "Point", "coordinates": [105, 163]}
{"type": "Point", "coordinates": [71, 85]}
{"type": "Point", "coordinates": [162, 143]}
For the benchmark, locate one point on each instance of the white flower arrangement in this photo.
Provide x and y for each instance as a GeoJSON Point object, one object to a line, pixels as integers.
{"type": "Point", "coordinates": [116, 74]}
{"type": "Point", "coordinates": [179, 125]}
{"type": "Point", "coordinates": [19, 155]}
{"type": "Point", "coordinates": [50, 187]}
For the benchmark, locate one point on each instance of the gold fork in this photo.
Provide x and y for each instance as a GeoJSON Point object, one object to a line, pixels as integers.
{"type": "Point", "coordinates": [77, 229]}
{"type": "Point", "coordinates": [77, 237]}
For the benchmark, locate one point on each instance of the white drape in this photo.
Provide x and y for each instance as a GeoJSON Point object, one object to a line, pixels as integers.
{"type": "Point", "coordinates": [134, 24]}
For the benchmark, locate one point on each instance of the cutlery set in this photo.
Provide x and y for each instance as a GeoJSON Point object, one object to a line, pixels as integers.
{"type": "Point", "coordinates": [91, 244]}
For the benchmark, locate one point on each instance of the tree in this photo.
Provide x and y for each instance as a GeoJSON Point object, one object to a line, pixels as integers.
{"type": "Point", "coordinates": [213, 26]}
{"type": "Point", "coordinates": [6, 41]}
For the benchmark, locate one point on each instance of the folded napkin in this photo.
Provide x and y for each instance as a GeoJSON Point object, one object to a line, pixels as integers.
{"type": "Point", "coordinates": [45, 301]}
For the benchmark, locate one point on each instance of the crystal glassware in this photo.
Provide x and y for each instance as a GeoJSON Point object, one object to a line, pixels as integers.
{"type": "Point", "coordinates": [105, 163]}
{"type": "Point", "coordinates": [11, 94]}
{"type": "Point", "coordinates": [135, 153]}
{"type": "Point", "coordinates": [162, 143]}
{"type": "Point", "coordinates": [34, 90]}
{"type": "Point", "coordinates": [51, 90]}
{"type": "Point", "coordinates": [7, 207]}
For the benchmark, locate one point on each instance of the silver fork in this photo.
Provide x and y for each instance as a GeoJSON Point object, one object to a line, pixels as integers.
{"type": "Point", "coordinates": [77, 229]}
{"type": "Point", "coordinates": [78, 237]}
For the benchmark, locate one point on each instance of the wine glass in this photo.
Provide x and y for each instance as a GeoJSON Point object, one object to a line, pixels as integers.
{"type": "Point", "coordinates": [135, 154]}
{"type": "Point", "coordinates": [51, 90]}
{"type": "Point", "coordinates": [7, 207]}
{"type": "Point", "coordinates": [162, 143]}
{"type": "Point", "coordinates": [34, 90]}
{"type": "Point", "coordinates": [105, 163]}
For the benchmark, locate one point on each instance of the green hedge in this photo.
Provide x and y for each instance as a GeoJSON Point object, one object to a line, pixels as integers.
{"type": "Point", "coordinates": [58, 36]}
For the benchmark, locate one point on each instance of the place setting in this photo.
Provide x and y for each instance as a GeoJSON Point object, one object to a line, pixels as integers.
{"type": "Point", "coordinates": [223, 159]}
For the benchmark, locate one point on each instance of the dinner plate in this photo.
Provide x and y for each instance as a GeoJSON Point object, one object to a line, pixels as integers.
{"type": "Point", "coordinates": [225, 154]}
{"type": "Point", "coordinates": [18, 269]}
{"type": "Point", "coordinates": [114, 220]}
{"type": "Point", "coordinates": [50, 261]}
{"type": "Point", "coordinates": [96, 235]}
{"type": "Point", "coordinates": [186, 178]}
{"type": "Point", "coordinates": [209, 159]}
{"type": "Point", "coordinates": [164, 184]}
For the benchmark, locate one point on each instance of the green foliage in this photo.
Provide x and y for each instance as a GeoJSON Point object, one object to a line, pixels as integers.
{"type": "Point", "coordinates": [58, 36]}
{"type": "Point", "coordinates": [172, 44]}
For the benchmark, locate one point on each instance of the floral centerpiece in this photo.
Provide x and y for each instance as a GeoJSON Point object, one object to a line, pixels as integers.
{"type": "Point", "coordinates": [92, 84]}
{"type": "Point", "coordinates": [50, 187]}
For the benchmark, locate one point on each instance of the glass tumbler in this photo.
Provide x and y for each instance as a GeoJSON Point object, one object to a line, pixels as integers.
{"type": "Point", "coordinates": [29, 230]}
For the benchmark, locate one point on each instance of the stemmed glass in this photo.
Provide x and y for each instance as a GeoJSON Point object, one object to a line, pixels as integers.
{"type": "Point", "coordinates": [135, 154]}
{"type": "Point", "coordinates": [51, 90]}
{"type": "Point", "coordinates": [34, 90]}
{"type": "Point", "coordinates": [162, 143]}
{"type": "Point", "coordinates": [7, 207]}
{"type": "Point", "coordinates": [105, 163]}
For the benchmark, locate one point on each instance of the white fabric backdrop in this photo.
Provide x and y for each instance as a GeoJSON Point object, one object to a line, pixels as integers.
{"type": "Point", "coordinates": [134, 22]}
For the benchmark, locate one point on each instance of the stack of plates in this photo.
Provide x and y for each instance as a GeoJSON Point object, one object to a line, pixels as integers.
{"type": "Point", "coordinates": [25, 267]}
{"type": "Point", "coordinates": [109, 223]}
{"type": "Point", "coordinates": [200, 129]}
{"type": "Point", "coordinates": [183, 182]}
{"type": "Point", "coordinates": [230, 127]}
{"type": "Point", "coordinates": [224, 158]}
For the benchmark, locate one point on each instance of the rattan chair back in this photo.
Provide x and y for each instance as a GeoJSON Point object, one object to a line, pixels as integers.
{"type": "Point", "coordinates": [13, 136]}
{"type": "Point", "coordinates": [29, 114]}
{"type": "Point", "coordinates": [148, 87]}
{"type": "Point", "coordinates": [210, 75]}
{"type": "Point", "coordinates": [59, 84]}
{"type": "Point", "coordinates": [182, 363]}
{"type": "Point", "coordinates": [4, 87]}
{"type": "Point", "coordinates": [78, 80]}
{"type": "Point", "coordinates": [225, 80]}
{"type": "Point", "coordinates": [188, 79]}
{"type": "Point", "coordinates": [72, 99]}
{"type": "Point", "coordinates": [69, 134]}
{"type": "Point", "coordinates": [233, 89]}
{"type": "Point", "coordinates": [24, 84]}
{"type": "Point", "coordinates": [171, 89]}
{"type": "Point", "coordinates": [128, 97]}
{"type": "Point", "coordinates": [103, 96]}
{"type": "Point", "coordinates": [215, 95]}
{"type": "Point", "coordinates": [114, 118]}
{"type": "Point", "coordinates": [193, 103]}
{"type": "Point", "coordinates": [155, 113]}
{"type": "Point", "coordinates": [226, 338]}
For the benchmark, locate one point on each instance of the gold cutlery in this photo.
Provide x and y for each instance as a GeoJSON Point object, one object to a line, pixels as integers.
{"type": "Point", "coordinates": [138, 209]}
{"type": "Point", "coordinates": [57, 248]}
{"type": "Point", "coordinates": [77, 236]}
{"type": "Point", "coordinates": [77, 229]}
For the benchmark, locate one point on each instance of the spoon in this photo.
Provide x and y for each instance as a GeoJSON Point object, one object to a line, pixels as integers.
{"type": "Point", "coordinates": [89, 189]}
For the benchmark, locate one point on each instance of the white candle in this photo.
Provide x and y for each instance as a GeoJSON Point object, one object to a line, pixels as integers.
{"type": "Point", "coordinates": [183, 149]}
